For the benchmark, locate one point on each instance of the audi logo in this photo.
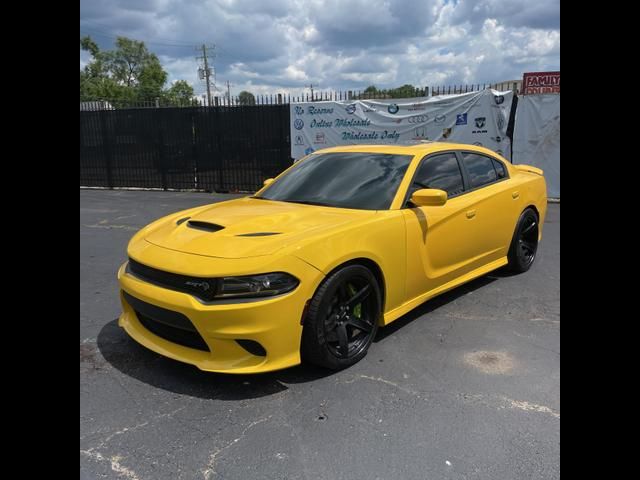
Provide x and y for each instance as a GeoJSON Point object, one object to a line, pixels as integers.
{"type": "Point", "coordinates": [418, 119]}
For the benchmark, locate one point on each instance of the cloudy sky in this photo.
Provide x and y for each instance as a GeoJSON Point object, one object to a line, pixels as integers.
{"type": "Point", "coordinates": [270, 46]}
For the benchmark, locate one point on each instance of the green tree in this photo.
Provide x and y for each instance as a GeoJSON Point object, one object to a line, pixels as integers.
{"type": "Point", "coordinates": [180, 94]}
{"type": "Point", "coordinates": [246, 98]}
{"type": "Point", "coordinates": [129, 72]}
{"type": "Point", "coordinates": [405, 91]}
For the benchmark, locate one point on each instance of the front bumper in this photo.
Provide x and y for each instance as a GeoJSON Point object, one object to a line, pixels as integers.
{"type": "Point", "coordinates": [275, 323]}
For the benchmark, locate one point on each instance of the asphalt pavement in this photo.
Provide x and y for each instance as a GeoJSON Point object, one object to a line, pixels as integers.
{"type": "Point", "coordinates": [467, 386]}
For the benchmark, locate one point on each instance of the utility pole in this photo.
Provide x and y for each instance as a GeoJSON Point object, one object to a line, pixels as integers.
{"type": "Point", "coordinates": [311, 87]}
{"type": "Point", "coordinates": [207, 71]}
{"type": "Point", "coordinates": [228, 91]}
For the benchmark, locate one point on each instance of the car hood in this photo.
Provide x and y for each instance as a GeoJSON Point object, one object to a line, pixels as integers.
{"type": "Point", "coordinates": [248, 227]}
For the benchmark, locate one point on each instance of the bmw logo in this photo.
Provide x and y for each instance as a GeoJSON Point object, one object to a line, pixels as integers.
{"type": "Point", "coordinates": [298, 124]}
{"type": "Point", "coordinates": [499, 99]}
{"type": "Point", "coordinates": [351, 108]}
{"type": "Point", "coordinates": [393, 108]}
{"type": "Point", "coordinates": [440, 119]}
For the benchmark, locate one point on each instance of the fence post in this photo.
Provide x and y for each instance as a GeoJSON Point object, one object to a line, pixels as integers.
{"type": "Point", "coordinates": [106, 144]}
{"type": "Point", "coordinates": [511, 122]}
{"type": "Point", "coordinates": [161, 158]}
{"type": "Point", "coordinates": [194, 151]}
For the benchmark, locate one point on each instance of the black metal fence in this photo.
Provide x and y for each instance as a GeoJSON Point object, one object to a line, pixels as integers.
{"type": "Point", "coordinates": [232, 146]}
{"type": "Point", "coordinates": [310, 96]}
{"type": "Point", "coordinates": [211, 149]}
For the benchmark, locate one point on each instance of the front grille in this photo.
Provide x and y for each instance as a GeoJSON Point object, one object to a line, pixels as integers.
{"type": "Point", "coordinates": [203, 288]}
{"type": "Point", "coordinates": [172, 326]}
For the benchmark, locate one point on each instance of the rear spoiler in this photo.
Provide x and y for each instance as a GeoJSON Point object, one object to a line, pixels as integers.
{"type": "Point", "coordinates": [530, 169]}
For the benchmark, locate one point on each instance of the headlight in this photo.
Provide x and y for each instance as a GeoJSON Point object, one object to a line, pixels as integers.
{"type": "Point", "coordinates": [252, 286]}
{"type": "Point", "coordinates": [210, 289]}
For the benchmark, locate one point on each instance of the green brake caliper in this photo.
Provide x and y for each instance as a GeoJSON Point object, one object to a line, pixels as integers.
{"type": "Point", "coordinates": [357, 310]}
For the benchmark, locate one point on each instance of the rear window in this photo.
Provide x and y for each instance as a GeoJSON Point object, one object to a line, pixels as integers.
{"type": "Point", "coordinates": [480, 168]}
{"type": "Point", "coordinates": [499, 168]}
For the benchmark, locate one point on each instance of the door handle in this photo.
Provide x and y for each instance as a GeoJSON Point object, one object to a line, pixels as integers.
{"type": "Point", "coordinates": [471, 213]}
{"type": "Point", "coordinates": [515, 195]}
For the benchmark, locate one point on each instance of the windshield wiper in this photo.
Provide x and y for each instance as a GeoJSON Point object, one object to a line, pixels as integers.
{"type": "Point", "coordinates": [260, 198]}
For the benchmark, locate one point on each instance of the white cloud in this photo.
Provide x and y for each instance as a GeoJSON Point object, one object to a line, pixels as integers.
{"type": "Point", "coordinates": [284, 45]}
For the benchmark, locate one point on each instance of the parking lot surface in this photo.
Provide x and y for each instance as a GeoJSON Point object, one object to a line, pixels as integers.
{"type": "Point", "coordinates": [467, 386]}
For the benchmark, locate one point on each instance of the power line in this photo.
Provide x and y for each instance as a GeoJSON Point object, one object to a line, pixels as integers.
{"type": "Point", "coordinates": [219, 52]}
{"type": "Point", "coordinates": [105, 28]}
{"type": "Point", "coordinates": [104, 34]}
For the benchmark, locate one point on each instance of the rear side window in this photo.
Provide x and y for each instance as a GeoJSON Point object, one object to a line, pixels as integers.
{"type": "Point", "coordinates": [440, 171]}
{"type": "Point", "coordinates": [480, 168]}
{"type": "Point", "coordinates": [499, 168]}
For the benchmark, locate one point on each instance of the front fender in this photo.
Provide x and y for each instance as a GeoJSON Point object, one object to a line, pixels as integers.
{"type": "Point", "coordinates": [381, 239]}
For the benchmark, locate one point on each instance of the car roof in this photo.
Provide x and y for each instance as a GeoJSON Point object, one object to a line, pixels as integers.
{"type": "Point", "coordinates": [421, 148]}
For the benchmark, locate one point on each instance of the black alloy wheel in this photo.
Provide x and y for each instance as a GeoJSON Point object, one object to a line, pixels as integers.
{"type": "Point", "coordinates": [342, 319]}
{"type": "Point", "coordinates": [524, 245]}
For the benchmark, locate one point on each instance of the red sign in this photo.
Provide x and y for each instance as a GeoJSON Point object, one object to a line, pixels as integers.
{"type": "Point", "coordinates": [540, 82]}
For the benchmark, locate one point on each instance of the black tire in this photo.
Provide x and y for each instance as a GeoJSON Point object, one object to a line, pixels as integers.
{"type": "Point", "coordinates": [524, 245]}
{"type": "Point", "coordinates": [334, 319]}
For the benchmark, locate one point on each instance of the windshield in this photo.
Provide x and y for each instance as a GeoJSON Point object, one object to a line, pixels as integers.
{"type": "Point", "coordinates": [365, 181]}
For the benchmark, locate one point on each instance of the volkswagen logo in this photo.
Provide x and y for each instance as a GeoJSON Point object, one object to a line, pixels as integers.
{"type": "Point", "coordinates": [418, 119]}
{"type": "Point", "coordinates": [499, 99]}
{"type": "Point", "coordinates": [298, 124]}
{"type": "Point", "coordinates": [393, 108]}
{"type": "Point", "coordinates": [351, 108]}
{"type": "Point", "coordinates": [440, 119]}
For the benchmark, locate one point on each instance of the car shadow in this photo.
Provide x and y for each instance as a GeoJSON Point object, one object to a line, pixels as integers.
{"type": "Point", "coordinates": [434, 304]}
{"type": "Point", "coordinates": [132, 359]}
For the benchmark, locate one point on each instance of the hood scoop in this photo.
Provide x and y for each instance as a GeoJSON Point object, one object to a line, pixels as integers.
{"type": "Point", "coordinates": [258, 234]}
{"type": "Point", "coordinates": [206, 226]}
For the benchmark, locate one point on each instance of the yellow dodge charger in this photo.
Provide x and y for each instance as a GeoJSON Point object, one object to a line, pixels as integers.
{"type": "Point", "coordinates": [346, 240]}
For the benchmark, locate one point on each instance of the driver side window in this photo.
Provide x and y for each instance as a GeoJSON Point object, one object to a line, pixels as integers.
{"type": "Point", "coordinates": [439, 171]}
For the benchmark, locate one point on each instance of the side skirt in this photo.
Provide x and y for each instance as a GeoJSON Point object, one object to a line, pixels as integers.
{"type": "Point", "coordinates": [413, 303]}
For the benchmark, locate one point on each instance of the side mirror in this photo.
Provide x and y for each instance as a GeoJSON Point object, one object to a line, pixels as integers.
{"type": "Point", "coordinates": [429, 197]}
{"type": "Point", "coordinates": [268, 181]}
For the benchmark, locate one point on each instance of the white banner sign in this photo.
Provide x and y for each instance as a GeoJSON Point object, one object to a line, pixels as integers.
{"type": "Point", "coordinates": [536, 139]}
{"type": "Point", "coordinates": [478, 118]}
